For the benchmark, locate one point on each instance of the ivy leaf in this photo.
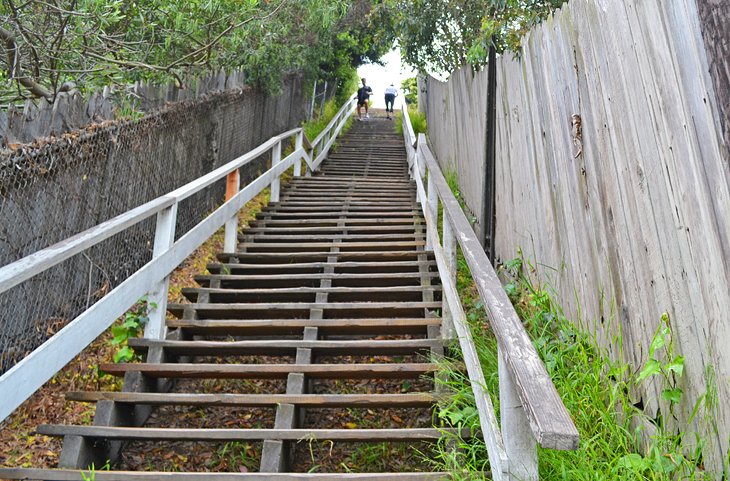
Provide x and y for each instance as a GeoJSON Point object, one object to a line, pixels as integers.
{"type": "Point", "coordinates": [120, 334]}
{"type": "Point", "coordinates": [652, 367]}
{"type": "Point", "coordinates": [672, 395]}
{"type": "Point", "coordinates": [125, 354]}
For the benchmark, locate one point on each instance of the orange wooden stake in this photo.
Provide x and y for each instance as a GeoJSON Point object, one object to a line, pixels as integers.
{"type": "Point", "coordinates": [232, 185]}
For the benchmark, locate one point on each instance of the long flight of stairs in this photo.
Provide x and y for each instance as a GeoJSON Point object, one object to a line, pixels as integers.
{"type": "Point", "coordinates": [319, 330]}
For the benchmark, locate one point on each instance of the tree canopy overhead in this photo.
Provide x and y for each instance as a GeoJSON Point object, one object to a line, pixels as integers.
{"type": "Point", "coordinates": [443, 35]}
{"type": "Point", "coordinates": [55, 45]}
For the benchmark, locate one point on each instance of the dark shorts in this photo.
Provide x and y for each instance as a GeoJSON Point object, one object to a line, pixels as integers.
{"type": "Point", "coordinates": [389, 99]}
{"type": "Point", "coordinates": [361, 102]}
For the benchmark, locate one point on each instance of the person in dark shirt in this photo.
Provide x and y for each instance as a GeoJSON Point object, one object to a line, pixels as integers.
{"type": "Point", "coordinates": [363, 94]}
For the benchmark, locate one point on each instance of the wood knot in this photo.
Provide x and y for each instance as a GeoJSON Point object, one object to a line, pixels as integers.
{"type": "Point", "coordinates": [577, 133]}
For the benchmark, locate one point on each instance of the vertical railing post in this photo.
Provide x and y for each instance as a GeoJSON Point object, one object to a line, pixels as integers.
{"type": "Point", "coordinates": [276, 183]}
{"type": "Point", "coordinates": [298, 144]}
{"type": "Point", "coordinates": [233, 184]}
{"type": "Point", "coordinates": [519, 441]}
{"type": "Point", "coordinates": [433, 206]}
{"type": "Point", "coordinates": [164, 239]}
{"type": "Point", "coordinates": [449, 245]}
{"type": "Point", "coordinates": [417, 160]}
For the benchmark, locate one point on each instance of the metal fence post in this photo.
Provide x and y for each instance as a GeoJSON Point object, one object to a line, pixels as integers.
{"type": "Point", "coordinates": [298, 144]}
{"type": "Point", "coordinates": [276, 183]}
{"type": "Point", "coordinates": [233, 184]}
{"type": "Point", "coordinates": [449, 244]}
{"type": "Point", "coordinates": [164, 239]}
{"type": "Point", "coordinates": [519, 442]}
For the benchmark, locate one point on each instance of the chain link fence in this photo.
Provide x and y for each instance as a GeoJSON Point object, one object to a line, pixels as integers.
{"type": "Point", "coordinates": [51, 190]}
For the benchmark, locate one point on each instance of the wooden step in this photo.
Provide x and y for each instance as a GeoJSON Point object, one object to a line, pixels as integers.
{"type": "Point", "coordinates": [334, 222]}
{"type": "Point", "coordinates": [272, 371]}
{"type": "Point", "coordinates": [314, 280]}
{"type": "Point", "coordinates": [311, 267]}
{"type": "Point", "coordinates": [224, 435]}
{"type": "Point", "coordinates": [294, 256]}
{"type": "Point", "coordinates": [331, 310]}
{"type": "Point", "coordinates": [326, 327]}
{"type": "Point", "coordinates": [334, 230]}
{"type": "Point", "coordinates": [102, 475]}
{"type": "Point", "coordinates": [326, 246]}
{"type": "Point", "coordinates": [270, 237]}
{"type": "Point", "coordinates": [309, 294]}
{"type": "Point", "coordinates": [418, 400]}
{"type": "Point", "coordinates": [277, 347]}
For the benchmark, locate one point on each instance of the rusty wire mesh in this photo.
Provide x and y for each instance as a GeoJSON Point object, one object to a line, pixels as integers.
{"type": "Point", "coordinates": [56, 188]}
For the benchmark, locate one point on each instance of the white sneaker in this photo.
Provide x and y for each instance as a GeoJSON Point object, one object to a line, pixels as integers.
{"type": "Point", "coordinates": [367, 116]}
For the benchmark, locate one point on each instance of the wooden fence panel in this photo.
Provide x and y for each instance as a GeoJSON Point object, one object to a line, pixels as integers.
{"type": "Point", "coordinates": [611, 174]}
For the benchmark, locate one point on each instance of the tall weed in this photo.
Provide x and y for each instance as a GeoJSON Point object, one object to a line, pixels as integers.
{"type": "Point", "coordinates": [594, 388]}
{"type": "Point", "coordinates": [418, 121]}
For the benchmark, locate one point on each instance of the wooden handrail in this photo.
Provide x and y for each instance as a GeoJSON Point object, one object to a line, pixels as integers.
{"type": "Point", "coordinates": [532, 411]}
{"type": "Point", "coordinates": [23, 269]}
{"type": "Point", "coordinates": [549, 419]}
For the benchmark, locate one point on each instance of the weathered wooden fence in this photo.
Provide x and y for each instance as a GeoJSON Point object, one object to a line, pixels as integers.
{"type": "Point", "coordinates": [611, 168]}
{"type": "Point", "coordinates": [456, 114]}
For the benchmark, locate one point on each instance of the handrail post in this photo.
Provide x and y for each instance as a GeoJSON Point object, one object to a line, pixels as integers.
{"type": "Point", "coordinates": [449, 245]}
{"type": "Point", "coordinates": [416, 162]}
{"type": "Point", "coordinates": [312, 155]}
{"type": "Point", "coordinates": [233, 184]}
{"type": "Point", "coordinates": [432, 205]}
{"type": "Point", "coordinates": [164, 239]}
{"type": "Point", "coordinates": [298, 144]}
{"type": "Point", "coordinates": [276, 183]}
{"type": "Point", "coordinates": [519, 442]}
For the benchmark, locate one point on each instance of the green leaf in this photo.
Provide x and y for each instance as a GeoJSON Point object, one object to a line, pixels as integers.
{"type": "Point", "coordinates": [676, 366]}
{"type": "Point", "coordinates": [633, 462]}
{"type": "Point", "coordinates": [120, 334]}
{"type": "Point", "coordinates": [672, 395]}
{"type": "Point", "coordinates": [125, 354]}
{"type": "Point", "coordinates": [664, 464]}
{"type": "Point", "coordinates": [659, 341]}
{"type": "Point", "coordinates": [652, 367]}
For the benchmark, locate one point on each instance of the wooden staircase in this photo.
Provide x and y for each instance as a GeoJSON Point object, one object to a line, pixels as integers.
{"type": "Point", "coordinates": [330, 302]}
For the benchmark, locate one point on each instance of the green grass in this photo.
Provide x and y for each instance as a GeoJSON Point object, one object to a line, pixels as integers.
{"type": "Point", "coordinates": [418, 121]}
{"type": "Point", "coordinates": [314, 127]}
{"type": "Point", "coordinates": [593, 388]}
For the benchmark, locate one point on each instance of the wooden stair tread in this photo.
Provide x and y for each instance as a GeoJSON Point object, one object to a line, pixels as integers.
{"type": "Point", "coordinates": [273, 371]}
{"type": "Point", "coordinates": [289, 347]}
{"type": "Point", "coordinates": [232, 306]}
{"type": "Point", "coordinates": [381, 256]}
{"type": "Point", "coordinates": [384, 275]}
{"type": "Point", "coordinates": [101, 475]}
{"type": "Point", "coordinates": [181, 434]}
{"type": "Point", "coordinates": [259, 400]}
{"type": "Point", "coordinates": [325, 326]}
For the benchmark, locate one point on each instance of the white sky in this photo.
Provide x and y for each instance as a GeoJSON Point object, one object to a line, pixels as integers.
{"type": "Point", "coordinates": [380, 77]}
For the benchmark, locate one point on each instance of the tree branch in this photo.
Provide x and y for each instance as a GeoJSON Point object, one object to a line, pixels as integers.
{"type": "Point", "coordinates": [13, 58]}
{"type": "Point", "coordinates": [217, 39]}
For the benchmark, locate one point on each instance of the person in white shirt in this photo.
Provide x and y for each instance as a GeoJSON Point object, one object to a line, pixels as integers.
{"type": "Point", "coordinates": [390, 94]}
